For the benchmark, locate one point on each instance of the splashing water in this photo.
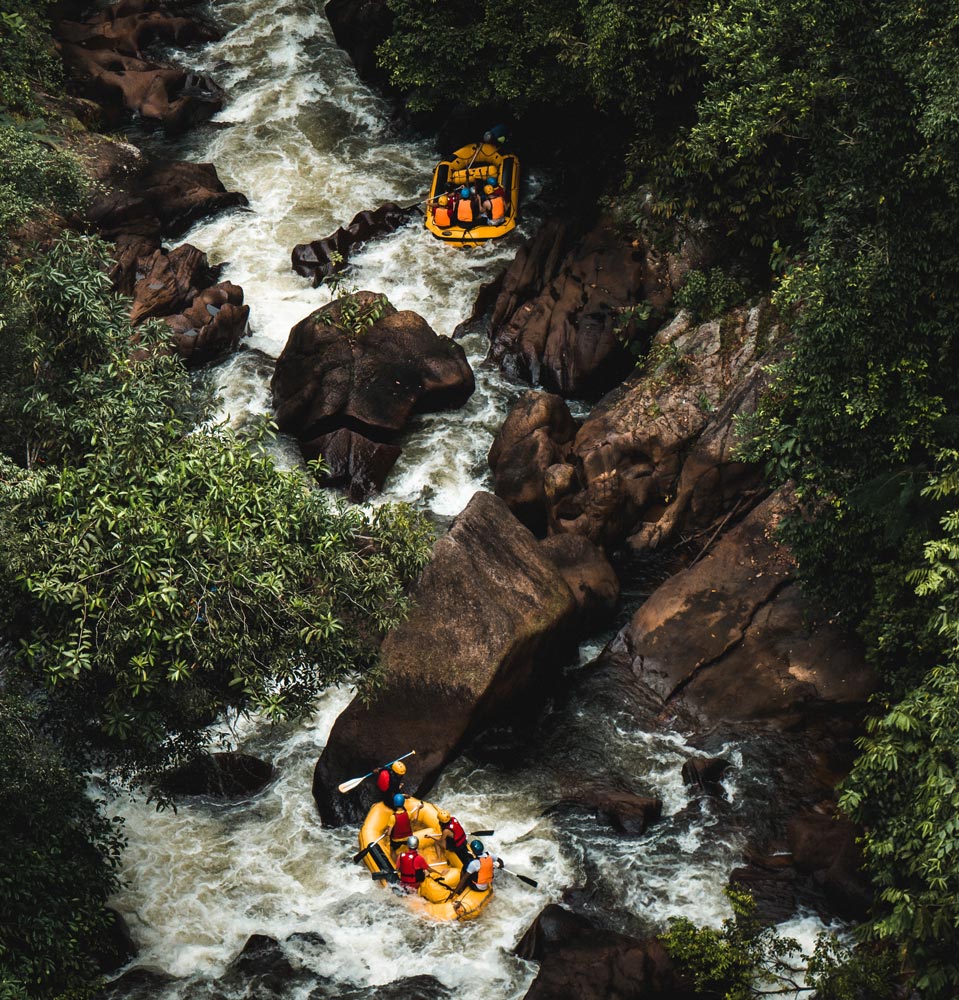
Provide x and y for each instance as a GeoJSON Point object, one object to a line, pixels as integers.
{"type": "Point", "coordinates": [311, 146]}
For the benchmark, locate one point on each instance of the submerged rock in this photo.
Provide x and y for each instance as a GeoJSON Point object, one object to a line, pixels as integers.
{"type": "Point", "coordinates": [625, 812]}
{"type": "Point", "coordinates": [492, 617]}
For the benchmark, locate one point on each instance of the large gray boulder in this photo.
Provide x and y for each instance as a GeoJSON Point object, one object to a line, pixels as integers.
{"type": "Point", "coordinates": [490, 623]}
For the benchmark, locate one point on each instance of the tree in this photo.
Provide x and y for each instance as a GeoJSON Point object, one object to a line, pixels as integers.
{"type": "Point", "coordinates": [58, 863]}
{"type": "Point", "coordinates": [160, 572]}
{"type": "Point", "coordinates": [743, 960]}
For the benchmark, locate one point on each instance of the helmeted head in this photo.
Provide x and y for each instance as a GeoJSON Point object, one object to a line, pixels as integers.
{"type": "Point", "coordinates": [442, 815]}
{"type": "Point", "coordinates": [488, 189]}
{"type": "Point", "coordinates": [443, 201]}
{"type": "Point", "coordinates": [398, 801]}
{"type": "Point", "coordinates": [398, 767]}
{"type": "Point", "coordinates": [412, 842]}
{"type": "Point", "coordinates": [491, 180]}
{"type": "Point", "coordinates": [464, 192]}
{"type": "Point", "coordinates": [476, 846]}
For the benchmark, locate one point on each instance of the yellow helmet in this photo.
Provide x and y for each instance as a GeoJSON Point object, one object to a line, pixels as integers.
{"type": "Point", "coordinates": [442, 815]}
{"type": "Point", "coordinates": [488, 189]}
{"type": "Point", "coordinates": [443, 199]}
{"type": "Point", "coordinates": [399, 767]}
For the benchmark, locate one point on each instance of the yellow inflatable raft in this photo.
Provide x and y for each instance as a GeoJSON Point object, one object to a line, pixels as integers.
{"type": "Point", "coordinates": [472, 165]}
{"type": "Point", "coordinates": [434, 899]}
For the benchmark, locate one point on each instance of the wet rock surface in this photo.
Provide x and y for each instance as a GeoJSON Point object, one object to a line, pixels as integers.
{"type": "Point", "coordinates": [625, 812]}
{"type": "Point", "coordinates": [729, 640]}
{"type": "Point", "coordinates": [656, 458]}
{"type": "Point", "coordinates": [537, 433]}
{"type": "Point", "coordinates": [358, 365]}
{"type": "Point", "coordinates": [104, 54]}
{"type": "Point", "coordinates": [320, 258]}
{"type": "Point", "coordinates": [588, 574]}
{"type": "Point", "coordinates": [491, 618]}
{"type": "Point", "coordinates": [579, 959]}
{"type": "Point", "coordinates": [359, 27]}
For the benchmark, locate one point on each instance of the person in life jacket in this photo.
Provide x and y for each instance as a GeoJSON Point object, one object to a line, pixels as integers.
{"type": "Point", "coordinates": [478, 874]}
{"type": "Point", "coordinates": [452, 836]}
{"type": "Point", "coordinates": [402, 828]}
{"type": "Point", "coordinates": [442, 214]}
{"type": "Point", "coordinates": [465, 209]}
{"type": "Point", "coordinates": [389, 781]}
{"type": "Point", "coordinates": [411, 865]}
{"type": "Point", "coordinates": [494, 203]}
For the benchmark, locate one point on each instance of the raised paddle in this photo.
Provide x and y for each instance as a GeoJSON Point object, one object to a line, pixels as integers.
{"type": "Point", "coordinates": [369, 847]}
{"type": "Point", "coordinates": [348, 786]}
{"type": "Point", "coordinates": [522, 878]}
{"type": "Point", "coordinates": [482, 833]}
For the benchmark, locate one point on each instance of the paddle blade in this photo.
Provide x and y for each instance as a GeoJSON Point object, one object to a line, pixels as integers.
{"type": "Point", "coordinates": [384, 876]}
{"type": "Point", "coordinates": [528, 881]}
{"type": "Point", "coordinates": [360, 855]}
{"type": "Point", "coordinates": [482, 833]}
{"type": "Point", "coordinates": [348, 786]}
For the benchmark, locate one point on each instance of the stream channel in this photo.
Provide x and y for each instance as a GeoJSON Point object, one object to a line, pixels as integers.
{"type": "Point", "coordinates": [311, 145]}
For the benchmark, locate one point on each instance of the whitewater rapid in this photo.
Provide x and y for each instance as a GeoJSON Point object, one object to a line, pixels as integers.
{"type": "Point", "coordinates": [310, 145]}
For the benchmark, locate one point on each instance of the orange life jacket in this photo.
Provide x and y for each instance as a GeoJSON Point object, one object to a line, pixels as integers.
{"type": "Point", "coordinates": [497, 206]}
{"type": "Point", "coordinates": [441, 216]}
{"type": "Point", "coordinates": [485, 874]}
{"type": "Point", "coordinates": [401, 825]}
{"type": "Point", "coordinates": [464, 210]}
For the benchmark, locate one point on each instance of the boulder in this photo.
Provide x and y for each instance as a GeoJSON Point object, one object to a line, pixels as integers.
{"type": "Point", "coordinates": [140, 983]}
{"type": "Point", "coordinates": [589, 576]}
{"type": "Point", "coordinates": [409, 988]}
{"type": "Point", "coordinates": [360, 27]}
{"type": "Point", "coordinates": [824, 846]}
{"type": "Point", "coordinates": [352, 462]}
{"type": "Point", "coordinates": [323, 257]}
{"type": "Point", "coordinates": [656, 457]}
{"type": "Point", "coordinates": [625, 812]}
{"type": "Point", "coordinates": [536, 434]}
{"type": "Point", "coordinates": [730, 639]}
{"type": "Point", "coordinates": [705, 774]}
{"type": "Point", "coordinates": [263, 969]}
{"type": "Point", "coordinates": [212, 326]}
{"type": "Point", "coordinates": [230, 775]}
{"type": "Point", "coordinates": [491, 618]}
{"type": "Point", "coordinates": [330, 376]}
{"type": "Point", "coordinates": [772, 882]}
{"type": "Point", "coordinates": [104, 56]}
{"type": "Point", "coordinates": [116, 946]}
{"type": "Point", "coordinates": [360, 366]}
{"type": "Point", "coordinates": [578, 959]}
{"type": "Point", "coordinates": [167, 281]}
{"type": "Point", "coordinates": [562, 316]}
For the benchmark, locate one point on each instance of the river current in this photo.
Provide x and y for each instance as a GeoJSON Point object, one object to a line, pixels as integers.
{"type": "Point", "coordinates": [311, 145]}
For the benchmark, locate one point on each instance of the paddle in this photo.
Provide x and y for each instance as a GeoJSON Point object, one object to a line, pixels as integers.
{"type": "Point", "coordinates": [369, 847]}
{"type": "Point", "coordinates": [384, 876]}
{"type": "Point", "coordinates": [522, 878]}
{"type": "Point", "coordinates": [348, 786]}
{"type": "Point", "coordinates": [482, 833]}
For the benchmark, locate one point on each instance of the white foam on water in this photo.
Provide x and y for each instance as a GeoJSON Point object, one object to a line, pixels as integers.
{"type": "Point", "coordinates": [311, 147]}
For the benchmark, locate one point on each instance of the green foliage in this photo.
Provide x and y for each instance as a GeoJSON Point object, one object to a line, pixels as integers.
{"type": "Point", "coordinates": [707, 294]}
{"type": "Point", "coordinates": [27, 60]}
{"type": "Point", "coordinates": [64, 338]}
{"type": "Point", "coordinates": [904, 787]}
{"type": "Point", "coordinates": [165, 572]}
{"type": "Point", "coordinates": [60, 858]}
{"type": "Point", "coordinates": [743, 959]}
{"type": "Point", "coordinates": [33, 176]}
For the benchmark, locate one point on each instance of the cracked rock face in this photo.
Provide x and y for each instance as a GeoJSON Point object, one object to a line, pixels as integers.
{"type": "Point", "coordinates": [729, 640]}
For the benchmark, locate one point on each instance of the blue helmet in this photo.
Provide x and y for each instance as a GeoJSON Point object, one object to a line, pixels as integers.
{"type": "Point", "coordinates": [492, 180]}
{"type": "Point", "coordinates": [476, 846]}
{"type": "Point", "coordinates": [398, 801]}
{"type": "Point", "coordinates": [464, 192]}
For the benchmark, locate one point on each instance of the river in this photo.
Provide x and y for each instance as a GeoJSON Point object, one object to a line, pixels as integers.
{"type": "Point", "coordinates": [310, 145]}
